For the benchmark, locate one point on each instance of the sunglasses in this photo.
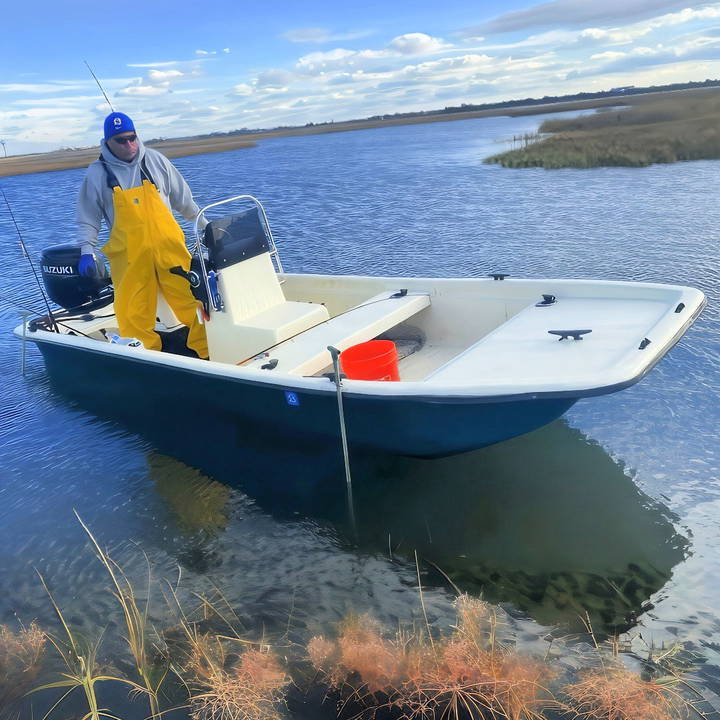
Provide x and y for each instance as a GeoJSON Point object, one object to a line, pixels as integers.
{"type": "Point", "coordinates": [125, 140]}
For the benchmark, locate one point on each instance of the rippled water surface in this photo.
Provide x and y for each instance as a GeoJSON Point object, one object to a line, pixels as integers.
{"type": "Point", "coordinates": [613, 509]}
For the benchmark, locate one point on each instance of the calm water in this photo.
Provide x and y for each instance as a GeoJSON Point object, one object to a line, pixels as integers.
{"type": "Point", "coordinates": [613, 509]}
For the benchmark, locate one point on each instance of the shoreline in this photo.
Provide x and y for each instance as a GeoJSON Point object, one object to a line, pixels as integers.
{"type": "Point", "coordinates": [184, 147]}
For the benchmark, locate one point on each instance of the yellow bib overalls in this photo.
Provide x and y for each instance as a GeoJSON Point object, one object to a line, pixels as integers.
{"type": "Point", "coordinates": [145, 242]}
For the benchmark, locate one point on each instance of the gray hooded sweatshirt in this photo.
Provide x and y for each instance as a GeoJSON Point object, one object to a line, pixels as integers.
{"type": "Point", "coordinates": [95, 200]}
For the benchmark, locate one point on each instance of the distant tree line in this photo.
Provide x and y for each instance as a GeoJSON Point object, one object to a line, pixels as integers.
{"type": "Point", "coordinates": [548, 99]}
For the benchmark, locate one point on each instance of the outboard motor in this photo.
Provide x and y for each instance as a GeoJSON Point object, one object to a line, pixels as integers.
{"type": "Point", "coordinates": [66, 287]}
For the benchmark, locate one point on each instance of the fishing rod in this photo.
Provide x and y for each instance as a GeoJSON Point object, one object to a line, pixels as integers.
{"type": "Point", "coordinates": [32, 266]}
{"type": "Point", "coordinates": [99, 85]}
{"type": "Point", "coordinates": [33, 311]}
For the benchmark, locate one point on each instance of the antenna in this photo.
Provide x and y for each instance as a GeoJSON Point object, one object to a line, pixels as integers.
{"type": "Point", "coordinates": [99, 85]}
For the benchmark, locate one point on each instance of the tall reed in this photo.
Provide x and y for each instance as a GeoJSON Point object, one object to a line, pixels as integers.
{"type": "Point", "coordinates": [146, 646]}
{"type": "Point", "coordinates": [81, 668]}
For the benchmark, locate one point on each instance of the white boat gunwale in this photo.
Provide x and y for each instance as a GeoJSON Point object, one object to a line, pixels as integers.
{"type": "Point", "coordinates": [418, 390]}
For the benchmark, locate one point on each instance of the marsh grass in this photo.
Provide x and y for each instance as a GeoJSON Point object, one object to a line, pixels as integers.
{"type": "Point", "coordinates": [21, 658]}
{"type": "Point", "coordinates": [615, 693]}
{"type": "Point", "coordinates": [226, 676]}
{"type": "Point", "coordinates": [661, 131]}
{"type": "Point", "coordinates": [144, 642]}
{"type": "Point", "coordinates": [608, 690]}
{"type": "Point", "coordinates": [467, 673]}
{"type": "Point", "coordinates": [249, 688]}
{"type": "Point", "coordinates": [82, 671]}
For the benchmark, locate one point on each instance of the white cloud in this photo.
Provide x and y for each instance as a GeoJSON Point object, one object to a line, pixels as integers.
{"type": "Point", "coordinates": [155, 82]}
{"type": "Point", "coordinates": [243, 89]}
{"type": "Point", "coordinates": [71, 101]}
{"type": "Point", "coordinates": [643, 51]}
{"type": "Point", "coordinates": [608, 55]}
{"type": "Point", "coordinates": [319, 61]}
{"type": "Point", "coordinates": [343, 59]}
{"type": "Point", "coordinates": [46, 124]}
{"type": "Point", "coordinates": [206, 52]}
{"type": "Point", "coordinates": [577, 13]}
{"type": "Point", "coordinates": [161, 76]}
{"type": "Point", "coordinates": [144, 90]}
{"type": "Point", "coordinates": [40, 87]}
{"type": "Point", "coordinates": [166, 63]}
{"type": "Point", "coordinates": [415, 44]}
{"type": "Point", "coordinates": [226, 51]}
{"type": "Point", "coordinates": [616, 36]}
{"type": "Point", "coordinates": [660, 58]}
{"type": "Point", "coordinates": [687, 15]}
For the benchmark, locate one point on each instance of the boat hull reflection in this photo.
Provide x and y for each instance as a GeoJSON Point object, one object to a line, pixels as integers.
{"type": "Point", "coordinates": [548, 522]}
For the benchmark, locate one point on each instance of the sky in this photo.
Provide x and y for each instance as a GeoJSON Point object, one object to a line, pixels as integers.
{"type": "Point", "coordinates": [180, 68]}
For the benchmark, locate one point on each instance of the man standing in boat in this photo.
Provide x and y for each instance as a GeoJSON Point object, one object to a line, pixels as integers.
{"type": "Point", "coordinates": [135, 189]}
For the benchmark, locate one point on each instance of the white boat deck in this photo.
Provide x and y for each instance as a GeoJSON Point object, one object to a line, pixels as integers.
{"type": "Point", "coordinates": [522, 351]}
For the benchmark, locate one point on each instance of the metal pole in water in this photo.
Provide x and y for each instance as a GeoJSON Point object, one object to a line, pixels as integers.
{"type": "Point", "coordinates": [24, 315]}
{"type": "Point", "coordinates": [335, 354]}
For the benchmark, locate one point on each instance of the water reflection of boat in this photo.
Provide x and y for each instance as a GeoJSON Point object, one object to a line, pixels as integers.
{"type": "Point", "coordinates": [549, 522]}
{"type": "Point", "coordinates": [485, 359]}
{"type": "Point", "coordinates": [198, 503]}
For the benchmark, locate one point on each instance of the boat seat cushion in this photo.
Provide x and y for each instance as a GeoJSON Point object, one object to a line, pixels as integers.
{"type": "Point", "coordinates": [307, 354]}
{"type": "Point", "coordinates": [250, 287]}
{"type": "Point", "coordinates": [256, 314]}
{"type": "Point", "coordinates": [275, 325]}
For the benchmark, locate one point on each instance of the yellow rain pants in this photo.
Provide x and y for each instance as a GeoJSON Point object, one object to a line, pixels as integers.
{"type": "Point", "coordinates": [145, 242]}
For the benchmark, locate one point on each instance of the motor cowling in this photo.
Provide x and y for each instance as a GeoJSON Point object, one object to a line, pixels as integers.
{"type": "Point", "coordinates": [67, 287]}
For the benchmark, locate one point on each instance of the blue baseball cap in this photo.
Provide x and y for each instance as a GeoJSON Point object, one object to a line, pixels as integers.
{"type": "Point", "coordinates": [117, 122]}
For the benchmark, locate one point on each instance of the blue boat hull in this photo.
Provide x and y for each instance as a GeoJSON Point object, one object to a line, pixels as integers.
{"type": "Point", "coordinates": [403, 425]}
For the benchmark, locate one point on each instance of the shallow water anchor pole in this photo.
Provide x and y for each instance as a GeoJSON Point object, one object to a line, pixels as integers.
{"type": "Point", "coordinates": [337, 378]}
{"type": "Point", "coordinates": [24, 315]}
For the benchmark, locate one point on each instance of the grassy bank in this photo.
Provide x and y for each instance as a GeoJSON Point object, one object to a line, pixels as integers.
{"type": "Point", "coordinates": [671, 128]}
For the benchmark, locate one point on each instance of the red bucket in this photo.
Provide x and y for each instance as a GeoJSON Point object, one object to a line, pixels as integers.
{"type": "Point", "coordinates": [373, 360]}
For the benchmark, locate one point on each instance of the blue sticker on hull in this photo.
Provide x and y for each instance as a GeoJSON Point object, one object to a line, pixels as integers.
{"type": "Point", "coordinates": [292, 398]}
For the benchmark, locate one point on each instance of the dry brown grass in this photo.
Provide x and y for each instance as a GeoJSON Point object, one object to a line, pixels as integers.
{"type": "Point", "coordinates": [467, 673]}
{"type": "Point", "coordinates": [252, 688]}
{"type": "Point", "coordinates": [21, 656]}
{"type": "Point", "coordinates": [619, 694]}
{"type": "Point", "coordinates": [226, 676]}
